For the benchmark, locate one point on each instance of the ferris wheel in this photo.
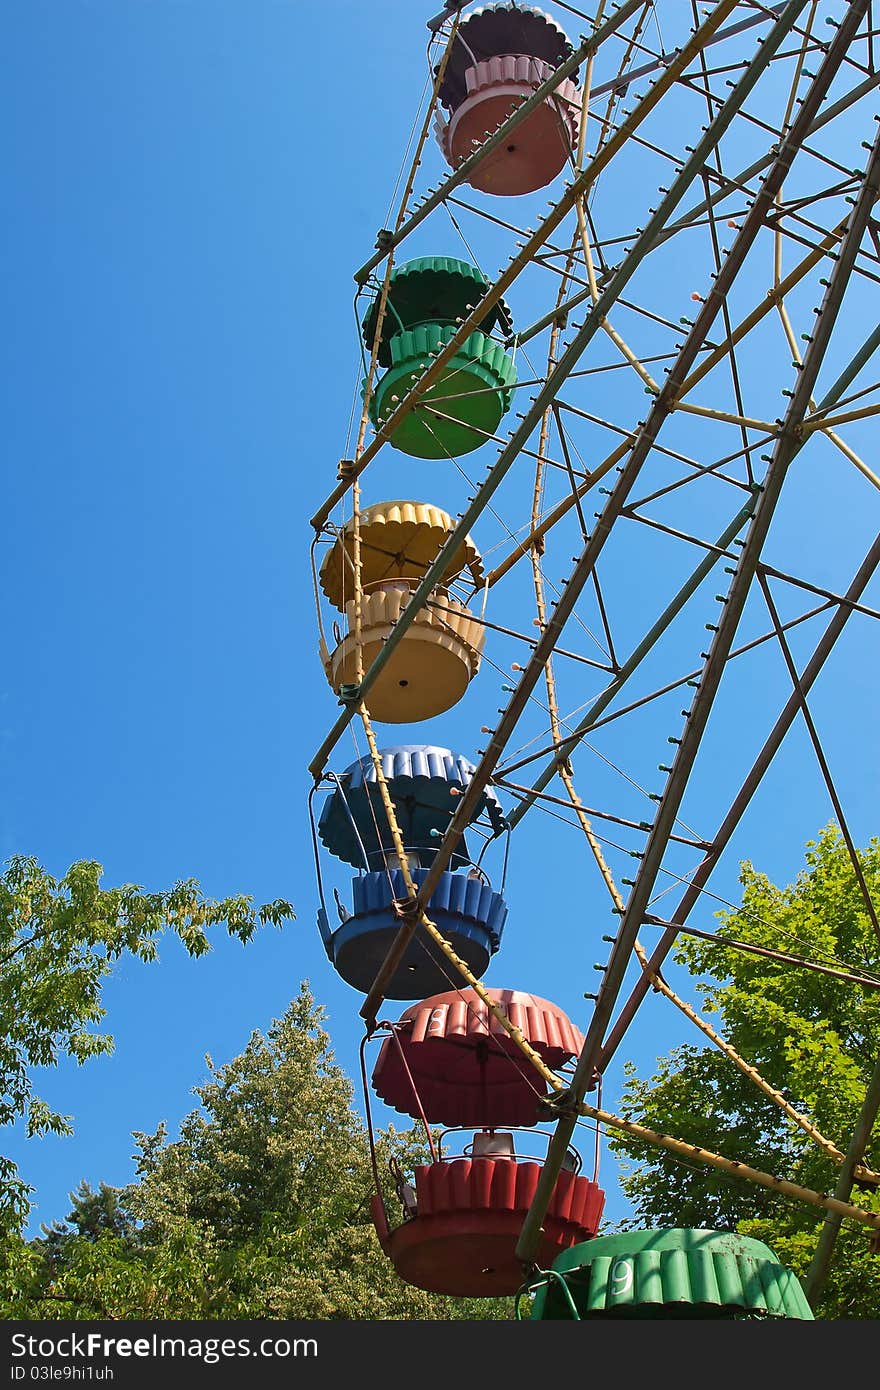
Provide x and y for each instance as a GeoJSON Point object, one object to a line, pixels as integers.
{"type": "Point", "coordinates": [596, 481]}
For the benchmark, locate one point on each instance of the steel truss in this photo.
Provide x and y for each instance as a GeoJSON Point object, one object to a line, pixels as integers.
{"type": "Point", "coordinates": [846, 251]}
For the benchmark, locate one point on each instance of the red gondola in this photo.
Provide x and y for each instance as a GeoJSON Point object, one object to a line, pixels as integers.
{"type": "Point", "coordinates": [450, 1061]}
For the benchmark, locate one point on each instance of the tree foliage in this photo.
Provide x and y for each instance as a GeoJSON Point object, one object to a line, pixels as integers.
{"type": "Point", "coordinates": [258, 1209]}
{"type": "Point", "coordinates": [815, 1038]}
{"type": "Point", "coordinates": [94, 1212]}
{"type": "Point", "coordinates": [59, 941]}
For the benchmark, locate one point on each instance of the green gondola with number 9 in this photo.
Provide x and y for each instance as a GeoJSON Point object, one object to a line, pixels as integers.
{"type": "Point", "coordinates": [667, 1274]}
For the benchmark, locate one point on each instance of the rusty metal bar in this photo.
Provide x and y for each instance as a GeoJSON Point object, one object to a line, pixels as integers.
{"type": "Point", "coordinates": [569, 359]}
{"type": "Point", "coordinates": [787, 446]}
{"type": "Point", "coordinates": [783, 957]}
{"type": "Point", "coordinates": [819, 1265]}
{"type": "Point", "coordinates": [704, 568]}
{"type": "Point", "coordinates": [743, 798]}
{"type": "Point", "coordinates": [655, 694]}
{"type": "Point", "coordinates": [663, 405]}
{"type": "Point", "coordinates": [619, 16]}
{"type": "Point", "coordinates": [730, 185]}
{"type": "Point", "coordinates": [820, 756]}
{"type": "Point", "coordinates": [574, 191]}
{"type": "Point", "coordinates": [730, 1166]}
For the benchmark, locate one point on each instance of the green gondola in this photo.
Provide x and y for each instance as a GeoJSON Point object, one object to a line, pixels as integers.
{"type": "Point", "coordinates": [428, 298]}
{"type": "Point", "coordinates": [672, 1273]}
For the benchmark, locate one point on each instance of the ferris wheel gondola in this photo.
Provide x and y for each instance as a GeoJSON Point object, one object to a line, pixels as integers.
{"type": "Point", "coordinates": [447, 1062]}
{"type": "Point", "coordinates": [515, 103]}
{"type": "Point", "coordinates": [424, 783]}
{"type": "Point", "coordinates": [500, 56]}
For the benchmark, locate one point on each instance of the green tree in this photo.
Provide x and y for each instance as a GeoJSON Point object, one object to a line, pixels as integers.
{"type": "Point", "coordinates": [258, 1209]}
{"type": "Point", "coordinates": [93, 1213]}
{"type": "Point", "coordinates": [59, 941]}
{"type": "Point", "coordinates": [813, 1037]}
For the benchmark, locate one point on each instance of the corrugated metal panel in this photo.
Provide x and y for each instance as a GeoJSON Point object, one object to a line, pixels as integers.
{"type": "Point", "coordinates": [398, 537]}
{"type": "Point", "coordinates": [462, 1081]}
{"type": "Point", "coordinates": [506, 72]}
{"type": "Point", "coordinates": [502, 72]}
{"type": "Point", "coordinates": [455, 894]}
{"type": "Point", "coordinates": [383, 607]}
{"type": "Point", "coordinates": [509, 67]}
{"type": "Point", "coordinates": [643, 1273]}
{"type": "Point", "coordinates": [462, 1015]}
{"type": "Point", "coordinates": [697, 1278]}
{"type": "Point", "coordinates": [414, 762]}
{"type": "Point", "coordinates": [503, 1185]}
{"type": "Point", "coordinates": [503, 28]}
{"type": "Point", "coordinates": [424, 783]}
{"type": "Point", "coordinates": [465, 1244]}
{"type": "Point", "coordinates": [426, 340]}
{"type": "Point", "coordinates": [439, 288]}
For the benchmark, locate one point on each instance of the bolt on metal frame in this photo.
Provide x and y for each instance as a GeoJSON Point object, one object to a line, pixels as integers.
{"type": "Point", "coordinates": [838, 247]}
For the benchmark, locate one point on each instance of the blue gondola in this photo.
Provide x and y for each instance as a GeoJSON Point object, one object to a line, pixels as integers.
{"type": "Point", "coordinates": [464, 908]}
{"type": "Point", "coordinates": [424, 784]}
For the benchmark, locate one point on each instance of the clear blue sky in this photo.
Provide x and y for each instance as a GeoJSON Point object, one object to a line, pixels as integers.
{"type": "Point", "coordinates": [189, 186]}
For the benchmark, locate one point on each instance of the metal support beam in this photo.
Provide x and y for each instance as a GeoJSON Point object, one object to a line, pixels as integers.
{"type": "Point", "coordinates": [566, 364]}
{"type": "Point", "coordinates": [663, 405]}
{"type": "Point", "coordinates": [820, 756]}
{"type": "Point", "coordinates": [636, 74]}
{"type": "Point", "coordinates": [787, 446]}
{"type": "Point", "coordinates": [570, 197]}
{"type": "Point", "coordinates": [843, 104]}
{"type": "Point", "coordinates": [690, 586]}
{"type": "Point", "coordinates": [786, 449]}
{"type": "Point", "coordinates": [821, 1261]}
{"type": "Point", "coordinates": [784, 957]}
{"type": "Point", "coordinates": [464, 170]}
{"type": "Point", "coordinates": [730, 185]}
{"type": "Point", "coordinates": [589, 47]}
{"type": "Point", "coordinates": [849, 374]}
{"type": "Point", "coordinates": [742, 799]}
